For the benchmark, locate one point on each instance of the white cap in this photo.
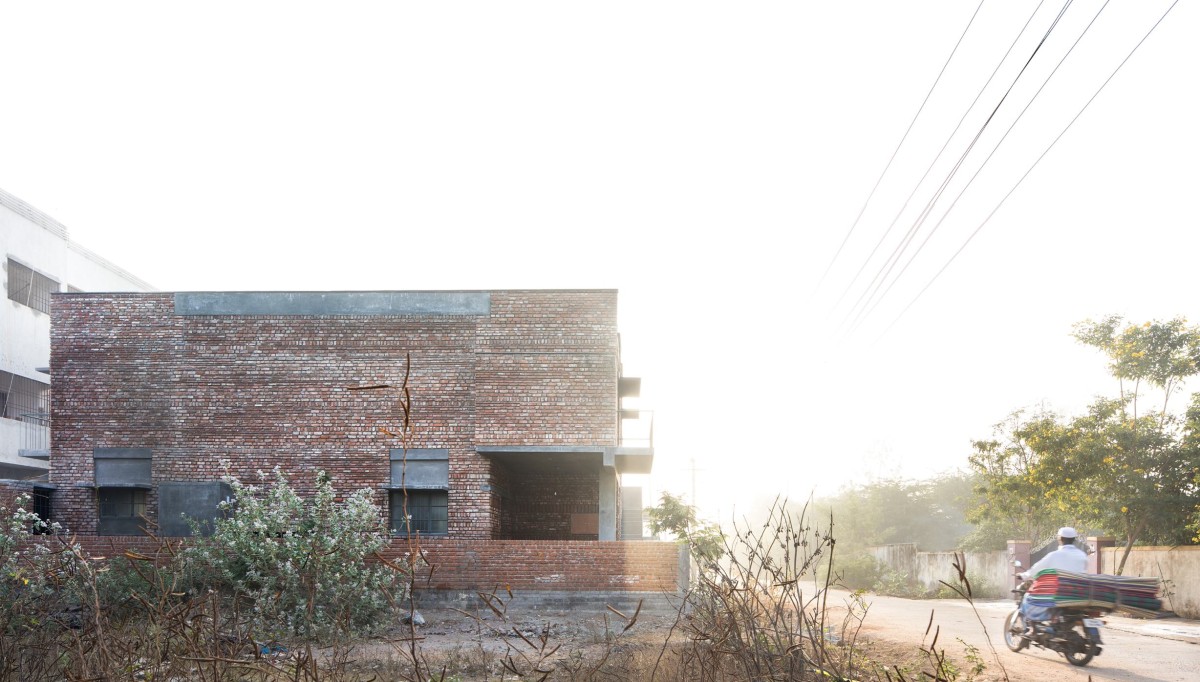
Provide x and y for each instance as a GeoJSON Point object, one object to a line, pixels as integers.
{"type": "Point", "coordinates": [1067, 532]}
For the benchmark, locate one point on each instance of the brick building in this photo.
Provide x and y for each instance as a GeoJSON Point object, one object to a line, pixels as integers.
{"type": "Point", "coordinates": [515, 397]}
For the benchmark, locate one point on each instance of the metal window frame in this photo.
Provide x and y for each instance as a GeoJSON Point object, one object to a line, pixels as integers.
{"type": "Point", "coordinates": [21, 396]}
{"type": "Point", "coordinates": [29, 287]}
{"type": "Point", "coordinates": [420, 523]}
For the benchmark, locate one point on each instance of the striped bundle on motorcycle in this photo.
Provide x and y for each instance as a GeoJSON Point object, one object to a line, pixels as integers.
{"type": "Point", "coordinates": [1053, 587]}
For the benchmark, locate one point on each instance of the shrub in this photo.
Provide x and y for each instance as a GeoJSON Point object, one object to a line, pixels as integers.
{"type": "Point", "coordinates": [301, 565]}
{"type": "Point", "coordinates": [37, 576]}
{"type": "Point", "coordinates": [897, 584]}
{"type": "Point", "coordinates": [858, 571]}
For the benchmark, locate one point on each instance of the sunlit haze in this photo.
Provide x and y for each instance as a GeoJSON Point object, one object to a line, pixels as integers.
{"type": "Point", "coordinates": [706, 159]}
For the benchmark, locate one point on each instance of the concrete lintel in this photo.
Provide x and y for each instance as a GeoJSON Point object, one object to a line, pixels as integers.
{"type": "Point", "coordinates": [540, 449]}
{"type": "Point", "coordinates": [332, 303]}
{"type": "Point", "coordinates": [122, 453]}
{"type": "Point", "coordinates": [419, 454]}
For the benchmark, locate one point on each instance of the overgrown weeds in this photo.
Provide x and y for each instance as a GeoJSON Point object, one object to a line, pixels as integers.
{"type": "Point", "coordinates": [277, 577]}
{"type": "Point", "coordinates": [757, 609]}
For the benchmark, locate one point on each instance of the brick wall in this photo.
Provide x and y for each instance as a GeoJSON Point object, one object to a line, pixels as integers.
{"type": "Point", "coordinates": [263, 391]}
{"type": "Point", "coordinates": [548, 565]}
{"type": "Point", "coordinates": [10, 491]}
{"type": "Point", "coordinates": [456, 564]}
{"type": "Point", "coordinates": [546, 369]}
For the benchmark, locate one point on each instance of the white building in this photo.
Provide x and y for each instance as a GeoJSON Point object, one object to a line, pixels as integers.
{"type": "Point", "coordinates": [38, 259]}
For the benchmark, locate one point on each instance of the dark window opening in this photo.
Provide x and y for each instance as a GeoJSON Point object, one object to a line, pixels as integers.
{"type": "Point", "coordinates": [30, 288]}
{"type": "Point", "coordinates": [41, 507]}
{"type": "Point", "coordinates": [122, 503]}
{"type": "Point", "coordinates": [121, 510]}
{"type": "Point", "coordinates": [426, 512]}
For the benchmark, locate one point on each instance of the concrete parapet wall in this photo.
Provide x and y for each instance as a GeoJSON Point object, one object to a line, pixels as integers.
{"type": "Point", "coordinates": [1179, 567]}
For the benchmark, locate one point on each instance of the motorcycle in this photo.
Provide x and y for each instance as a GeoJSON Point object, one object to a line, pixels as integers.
{"type": "Point", "coordinates": [1072, 632]}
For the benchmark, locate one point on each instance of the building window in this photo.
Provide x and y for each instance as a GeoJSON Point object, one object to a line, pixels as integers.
{"type": "Point", "coordinates": [426, 512]}
{"type": "Point", "coordinates": [419, 497]}
{"type": "Point", "coordinates": [122, 503]}
{"type": "Point", "coordinates": [28, 287]}
{"type": "Point", "coordinates": [121, 510]}
{"type": "Point", "coordinates": [22, 398]}
{"type": "Point", "coordinates": [122, 479]}
{"type": "Point", "coordinates": [41, 507]}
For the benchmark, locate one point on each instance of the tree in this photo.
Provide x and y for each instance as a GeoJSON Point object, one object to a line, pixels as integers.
{"type": "Point", "coordinates": [928, 513]}
{"type": "Point", "coordinates": [1160, 354]}
{"type": "Point", "coordinates": [673, 515]}
{"type": "Point", "coordinates": [1139, 465]}
{"type": "Point", "coordinates": [1128, 469]}
{"type": "Point", "coordinates": [1016, 499]}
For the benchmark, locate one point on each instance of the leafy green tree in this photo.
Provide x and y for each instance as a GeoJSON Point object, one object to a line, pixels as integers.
{"type": "Point", "coordinates": [1159, 354]}
{"type": "Point", "coordinates": [928, 513]}
{"type": "Point", "coordinates": [1135, 476]}
{"type": "Point", "coordinates": [1121, 467]}
{"type": "Point", "coordinates": [1138, 465]}
{"type": "Point", "coordinates": [1016, 500]}
{"type": "Point", "coordinates": [672, 515]}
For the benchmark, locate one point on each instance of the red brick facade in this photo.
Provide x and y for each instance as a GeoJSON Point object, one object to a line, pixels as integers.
{"type": "Point", "coordinates": [484, 565]}
{"type": "Point", "coordinates": [10, 491]}
{"type": "Point", "coordinates": [534, 371]}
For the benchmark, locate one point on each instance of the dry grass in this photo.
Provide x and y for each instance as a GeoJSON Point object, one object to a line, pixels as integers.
{"type": "Point", "coordinates": [759, 613]}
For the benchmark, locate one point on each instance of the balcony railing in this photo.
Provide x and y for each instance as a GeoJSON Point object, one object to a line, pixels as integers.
{"type": "Point", "coordinates": [637, 428]}
{"type": "Point", "coordinates": [35, 435]}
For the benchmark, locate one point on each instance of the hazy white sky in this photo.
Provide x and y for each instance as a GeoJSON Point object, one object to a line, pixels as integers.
{"type": "Point", "coordinates": [706, 159]}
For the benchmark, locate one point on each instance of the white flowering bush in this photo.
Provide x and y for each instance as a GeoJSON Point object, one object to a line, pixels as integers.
{"type": "Point", "coordinates": [16, 527]}
{"type": "Point", "coordinates": [298, 566]}
{"type": "Point", "coordinates": [31, 573]}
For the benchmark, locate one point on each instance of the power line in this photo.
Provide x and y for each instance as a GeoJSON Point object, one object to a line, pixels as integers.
{"type": "Point", "coordinates": [1026, 174]}
{"type": "Point", "coordinates": [898, 146]}
{"type": "Point", "coordinates": [873, 289]}
{"type": "Point", "coordinates": [938, 156]}
{"type": "Point", "coordinates": [979, 170]}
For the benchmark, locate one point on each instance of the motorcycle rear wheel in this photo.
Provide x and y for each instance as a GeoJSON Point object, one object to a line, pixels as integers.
{"type": "Point", "coordinates": [1014, 632]}
{"type": "Point", "coordinates": [1080, 649]}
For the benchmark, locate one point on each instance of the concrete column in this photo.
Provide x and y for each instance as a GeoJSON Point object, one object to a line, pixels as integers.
{"type": "Point", "coordinates": [608, 503]}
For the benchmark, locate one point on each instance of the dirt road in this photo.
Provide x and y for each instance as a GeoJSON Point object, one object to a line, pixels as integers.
{"type": "Point", "coordinates": [1134, 650]}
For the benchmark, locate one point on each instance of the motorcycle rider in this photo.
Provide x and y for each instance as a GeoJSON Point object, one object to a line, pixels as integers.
{"type": "Point", "coordinates": [1067, 557]}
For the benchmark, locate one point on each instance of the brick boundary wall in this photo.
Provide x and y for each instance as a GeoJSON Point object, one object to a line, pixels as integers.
{"type": "Point", "coordinates": [484, 565]}
{"type": "Point", "coordinates": [634, 566]}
